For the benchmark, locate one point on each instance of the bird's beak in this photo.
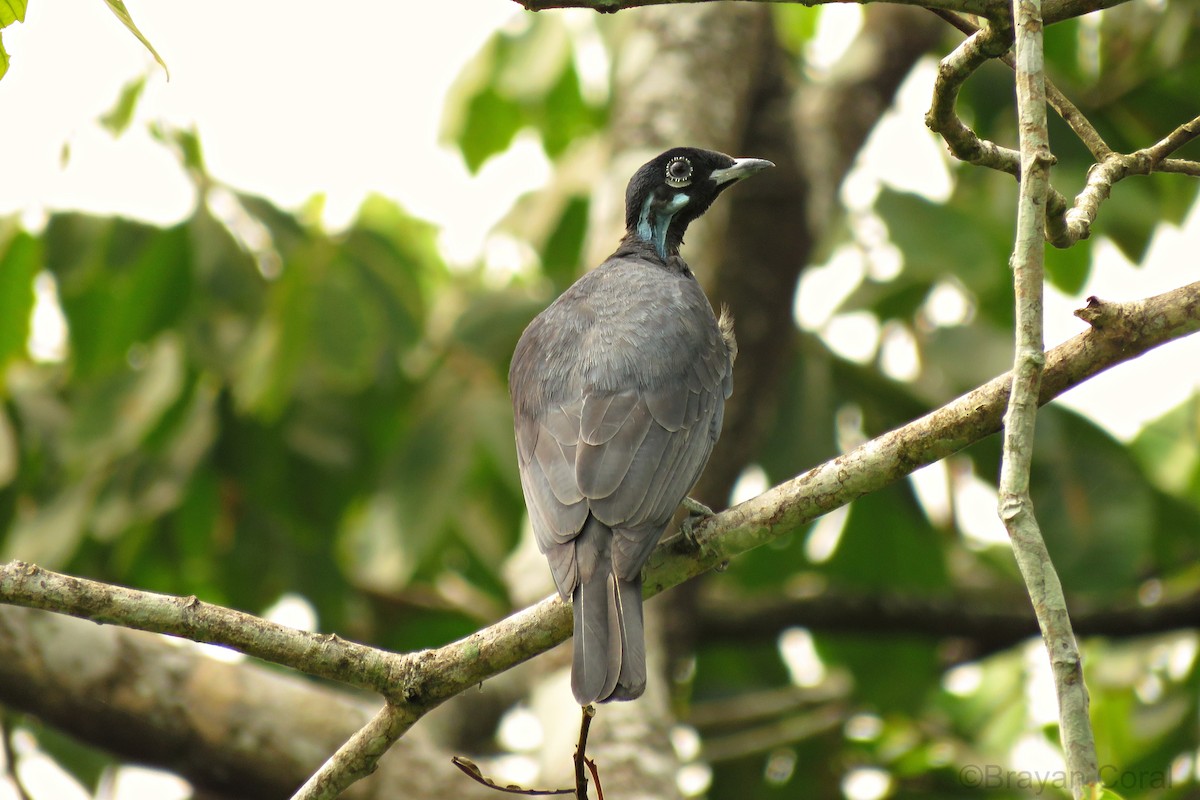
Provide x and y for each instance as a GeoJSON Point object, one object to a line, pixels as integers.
{"type": "Point", "coordinates": [742, 168]}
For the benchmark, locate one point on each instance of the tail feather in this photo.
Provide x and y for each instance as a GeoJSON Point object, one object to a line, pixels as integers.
{"type": "Point", "coordinates": [609, 649]}
{"type": "Point", "coordinates": [590, 663]}
{"type": "Point", "coordinates": [627, 611]}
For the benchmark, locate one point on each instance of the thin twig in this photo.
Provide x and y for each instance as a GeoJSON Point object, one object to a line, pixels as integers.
{"type": "Point", "coordinates": [1062, 105]}
{"type": "Point", "coordinates": [10, 758]}
{"type": "Point", "coordinates": [782, 732]}
{"type": "Point", "coordinates": [1118, 166]}
{"type": "Point", "coordinates": [591, 765]}
{"type": "Point", "coordinates": [1016, 507]}
{"type": "Point", "coordinates": [1066, 224]}
{"type": "Point", "coordinates": [581, 759]}
{"type": "Point", "coordinates": [1056, 10]}
{"type": "Point", "coordinates": [942, 118]}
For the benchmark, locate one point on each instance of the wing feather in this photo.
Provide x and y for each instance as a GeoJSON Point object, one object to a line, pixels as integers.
{"type": "Point", "coordinates": [618, 403]}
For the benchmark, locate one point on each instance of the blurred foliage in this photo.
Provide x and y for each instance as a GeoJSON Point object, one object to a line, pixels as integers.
{"type": "Point", "coordinates": [525, 76]}
{"type": "Point", "coordinates": [249, 405]}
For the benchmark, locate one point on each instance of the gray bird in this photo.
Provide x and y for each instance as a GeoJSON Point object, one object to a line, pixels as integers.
{"type": "Point", "coordinates": [619, 391]}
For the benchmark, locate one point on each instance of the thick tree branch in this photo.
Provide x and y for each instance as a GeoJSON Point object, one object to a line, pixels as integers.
{"type": "Point", "coordinates": [321, 655]}
{"type": "Point", "coordinates": [422, 680]}
{"type": "Point", "coordinates": [237, 731]}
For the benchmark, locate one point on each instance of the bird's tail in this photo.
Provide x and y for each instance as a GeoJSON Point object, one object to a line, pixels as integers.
{"type": "Point", "coordinates": [610, 649]}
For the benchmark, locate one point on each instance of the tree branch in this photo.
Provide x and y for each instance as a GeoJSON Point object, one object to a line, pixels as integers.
{"type": "Point", "coordinates": [1118, 166]}
{"type": "Point", "coordinates": [236, 731]}
{"type": "Point", "coordinates": [1054, 11]}
{"type": "Point", "coordinates": [417, 682]}
{"type": "Point", "coordinates": [1016, 505]}
{"type": "Point", "coordinates": [1065, 224]}
{"type": "Point", "coordinates": [357, 758]}
{"type": "Point", "coordinates": [1079, 124]}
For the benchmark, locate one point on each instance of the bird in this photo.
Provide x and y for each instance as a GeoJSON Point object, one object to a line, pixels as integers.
{"type": "Point", "coordinates": [618, 391]}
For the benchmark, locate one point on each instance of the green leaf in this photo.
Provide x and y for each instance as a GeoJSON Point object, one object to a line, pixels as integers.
{"type": "Point", "coordinates": [522, 79]}
{"type": "Point", "coordinates": [1169, 449]}
{"type": "Point", "coordinates": [491, 124]}
{"type": "Point", "coordinates": [565, 117]}
{"type": "Point", "coordinates": [50, 531]}
{"type": "Point", "coordinates": [118, 8]}
{"type": "Point", "coordinates": [117, 118]}
{"type": "Point", "coordinates": [10, 450]}
{"type": "Point", "coordinates": [945, 239]}
{"type": "Point", "coordinates": [19, 263]}
{"type": "Point", "coordinates": [117, 412]}
{"type": "Point", "coordinates": [120, 283]}
{"type": "Point", "coordinates": [11, 11]}
{"type": "Point", "coordinates": [348, 329]}
{"type": "Point", "coordinates": [86, 764]}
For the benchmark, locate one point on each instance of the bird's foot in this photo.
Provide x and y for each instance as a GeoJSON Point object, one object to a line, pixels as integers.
{"type": "Point", "coordinates": [697, 512]}
{"type": "Point", "coordinates": [696, 508]}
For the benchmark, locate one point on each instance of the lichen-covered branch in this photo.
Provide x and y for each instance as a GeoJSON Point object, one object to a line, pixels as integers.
{"type": "Point", "coordinates": [1065, 223]}
{"type": "Point", "coordinates": [1079, 124]}
{"type": "Point", "coordinates": [991, 41]}
{"type": "Point", "coordinates": [1016, 505]}
{"type": "Point", "coordinates": [357, 758]}
{"type": "Point", "coordinates": [1118, 166]}
{"type": "Point", "coordinates": [1119, 332]}
{"type": "Point", "coordinates": [417, 682]}
{"type": "Point", "coordinates": [323, 655]}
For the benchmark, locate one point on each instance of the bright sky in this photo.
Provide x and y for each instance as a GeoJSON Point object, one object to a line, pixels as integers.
{"type": "Point", "coordinates": [290, 99]}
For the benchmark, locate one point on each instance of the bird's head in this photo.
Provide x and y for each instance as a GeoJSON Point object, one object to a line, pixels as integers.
{"type": "Point", "coordinates": [675, 188]}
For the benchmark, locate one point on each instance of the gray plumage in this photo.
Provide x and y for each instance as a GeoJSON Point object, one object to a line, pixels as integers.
{"type": "Point", "coordinates": [619, 392]}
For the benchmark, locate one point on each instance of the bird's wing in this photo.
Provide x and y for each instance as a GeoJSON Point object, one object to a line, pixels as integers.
{"type": "Point", "coordinates": [627, 451]}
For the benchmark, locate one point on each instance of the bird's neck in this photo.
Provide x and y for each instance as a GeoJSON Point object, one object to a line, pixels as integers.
{"type": "Point", "coordinates": [634, 246]}
{"type": "Point", "coordinates": [654, 225]}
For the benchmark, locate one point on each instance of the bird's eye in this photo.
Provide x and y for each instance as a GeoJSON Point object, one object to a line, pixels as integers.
{"type": "Point", "coordinates": [679, 172]}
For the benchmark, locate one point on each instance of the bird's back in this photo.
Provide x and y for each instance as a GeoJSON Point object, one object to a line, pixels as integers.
{"type": "Point", "coordinates": [632, 322]}
{"type": "Point", "coordinates": [618, 390]}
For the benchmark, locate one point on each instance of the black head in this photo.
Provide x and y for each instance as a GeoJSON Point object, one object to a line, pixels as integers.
{"type": "Point", "coordinates": [668, 193]}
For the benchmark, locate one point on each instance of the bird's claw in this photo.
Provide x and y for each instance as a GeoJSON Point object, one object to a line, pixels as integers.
{"type": "Point", "coordinates": [697, 512]}
{"type": "Point", "coordinates": [696, 508]}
